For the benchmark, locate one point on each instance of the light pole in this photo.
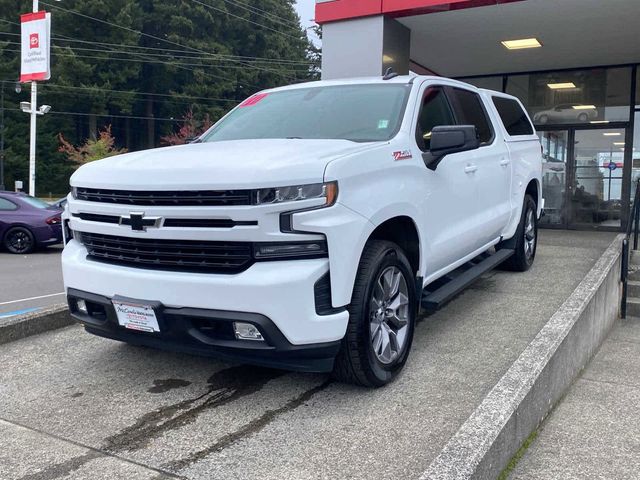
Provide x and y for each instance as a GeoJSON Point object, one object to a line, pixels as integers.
{"type": "Point", "coordinates": [32, 139]}
{"type": "Point", "coordinates": [2, 138]}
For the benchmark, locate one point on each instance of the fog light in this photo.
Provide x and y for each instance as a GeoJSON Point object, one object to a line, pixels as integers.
{"type": "Point", "coordinates": [247, 331]}
{"type": "Point", "coordinates": [82, 306]}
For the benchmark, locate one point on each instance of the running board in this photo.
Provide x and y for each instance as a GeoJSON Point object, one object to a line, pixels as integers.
{"type": "Point", "coordinates": [432, 301]}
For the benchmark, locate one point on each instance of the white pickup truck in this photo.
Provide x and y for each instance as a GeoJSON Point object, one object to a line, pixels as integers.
{"type": "Point", "coordinates": [306, 228]}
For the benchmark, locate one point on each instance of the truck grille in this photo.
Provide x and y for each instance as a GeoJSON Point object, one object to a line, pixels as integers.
{"type": "Point", "coordinates": [166, 198]}
{"type": "Point", "coordinates": [179, 255]}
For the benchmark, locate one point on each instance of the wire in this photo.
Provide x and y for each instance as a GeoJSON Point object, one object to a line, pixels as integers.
{"type": "Point", "coordinates": [134, 117]}
{"type": "Point", "coordinates": [126, 91]}
{"type": "Point", "coordinates": [220, 56]}
{"type": "Point", "coordinates": [149, 59]}
{"type": "Point", "coordinates": [263, 13]}
{"type": "Point", "coordinates": [245, 19]}
{"type": "Point", "coordinates": [148, 35]}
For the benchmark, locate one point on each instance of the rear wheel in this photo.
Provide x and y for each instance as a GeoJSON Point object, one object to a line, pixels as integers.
{"type": "Point", "coordinates": [19, 240]}
{"type": "Point", "coordinates": [525, 241]}
{"type": "Point", "coordinates": [382, 317]}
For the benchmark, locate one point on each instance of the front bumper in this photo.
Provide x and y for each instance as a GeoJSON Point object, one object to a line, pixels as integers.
{"type": "Point", "coordinates": [281, 291]}
{"type": "Point", "coordinates": [206, 332]}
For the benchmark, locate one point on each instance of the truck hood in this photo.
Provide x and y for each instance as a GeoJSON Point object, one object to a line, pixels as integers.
{"type": "Point", "coordinates": [226, 165]}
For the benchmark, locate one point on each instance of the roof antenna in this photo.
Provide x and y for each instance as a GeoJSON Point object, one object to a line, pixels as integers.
{"type": "Point", "coordinates": [389, 74]}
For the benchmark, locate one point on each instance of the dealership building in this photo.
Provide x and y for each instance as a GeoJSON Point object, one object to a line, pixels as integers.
{"type": "Point", "coordinates": [573, 64]}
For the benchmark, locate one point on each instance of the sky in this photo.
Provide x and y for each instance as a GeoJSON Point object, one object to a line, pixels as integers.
{"type": "Point", "coordinates": [306, 10]}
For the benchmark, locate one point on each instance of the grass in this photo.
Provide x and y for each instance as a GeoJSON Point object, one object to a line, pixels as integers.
{"type": "Point", "coordinates": [519, 454]}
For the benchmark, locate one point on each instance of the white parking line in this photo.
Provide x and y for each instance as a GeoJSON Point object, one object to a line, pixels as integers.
{"type": "Point", "coordinates": [33, 298]}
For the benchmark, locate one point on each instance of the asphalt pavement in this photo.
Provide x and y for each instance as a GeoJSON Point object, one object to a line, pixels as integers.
{"type": "Point", "coordinates": [75, 406]}
{"type": "Point", "coordinates": [30, 282]}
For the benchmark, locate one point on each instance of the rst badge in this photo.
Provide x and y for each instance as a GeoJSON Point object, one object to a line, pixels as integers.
{"type": "Point", "coordinates": [402, 155]}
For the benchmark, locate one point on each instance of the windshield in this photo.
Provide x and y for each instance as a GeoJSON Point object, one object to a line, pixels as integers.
{"type": "Point", "coordinates": [360, 113]}
{"type": "Point", "coordinates": [34, 202]}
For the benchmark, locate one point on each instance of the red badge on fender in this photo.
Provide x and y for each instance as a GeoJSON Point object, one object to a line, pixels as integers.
{"type": "Point", "coordinates": [402, 155]}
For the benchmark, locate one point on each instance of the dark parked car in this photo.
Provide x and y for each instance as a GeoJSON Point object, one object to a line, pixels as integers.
{"type": "Point", "coordinates": [27, 223]}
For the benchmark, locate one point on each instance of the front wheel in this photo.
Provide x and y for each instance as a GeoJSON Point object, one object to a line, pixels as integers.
{"type": "Point", "coordinates": [525, 241]}
{"type": "Point", "coordinates": [382, 317]}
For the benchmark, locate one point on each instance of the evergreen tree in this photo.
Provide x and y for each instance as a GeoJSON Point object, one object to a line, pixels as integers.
{"type": "Point", "coordinates": [201, 56]}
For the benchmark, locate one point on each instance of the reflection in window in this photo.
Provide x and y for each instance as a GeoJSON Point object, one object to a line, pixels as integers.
{"type": "Point", "coordinates": [580, 96]}
{"type": "Point", "coordinates": [490, 83]}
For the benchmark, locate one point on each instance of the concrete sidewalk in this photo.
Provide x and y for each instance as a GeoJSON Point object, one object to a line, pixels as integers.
{"type": "Point", "coordinates": [595, 432]}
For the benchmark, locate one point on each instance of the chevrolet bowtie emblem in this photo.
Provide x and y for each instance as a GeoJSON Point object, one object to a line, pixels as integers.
{"type": "Point", "coordinates": [139, 222]}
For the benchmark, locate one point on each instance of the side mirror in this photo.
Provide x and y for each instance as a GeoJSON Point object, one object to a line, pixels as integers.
{"type": "Point", "coordinates": [450, 139]}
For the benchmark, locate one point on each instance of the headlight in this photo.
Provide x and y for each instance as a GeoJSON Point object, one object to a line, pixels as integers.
{"type": "Point", "coordinates": [328, 191]}
{"type": "Point", "coordinates": [74, 192]}
{"type": "Point", "coordinates": [288, 251]}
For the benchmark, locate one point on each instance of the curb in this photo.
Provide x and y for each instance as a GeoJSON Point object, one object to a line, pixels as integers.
{"type": "Point", "coordinates": [21, 326]}
{"type": "Point", "coordinates": [537, 380]}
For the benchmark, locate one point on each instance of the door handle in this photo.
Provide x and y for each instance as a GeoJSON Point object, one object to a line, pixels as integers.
{"type": "Point", "coordinates": [504, 162]}
{"type": "Point", "coordinates": [470, 168]}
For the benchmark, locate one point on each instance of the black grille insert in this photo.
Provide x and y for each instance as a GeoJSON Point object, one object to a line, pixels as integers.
{"type": "Point", "coordinates": [172, 222]}
{"type": "Point", "coordinates": [167, 198]}
{"type": "Point", "coordinates": [179, 255]}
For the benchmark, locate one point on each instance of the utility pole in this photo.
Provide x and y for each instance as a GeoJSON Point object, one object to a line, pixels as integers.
{"type": "Point", "coordinates": [32, 142]}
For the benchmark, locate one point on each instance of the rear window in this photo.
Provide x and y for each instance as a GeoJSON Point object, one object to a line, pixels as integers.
{"type": "Point", "coordinates": [7, 205]}
{"type": "Point", "coordinates": [513, 116]}
{"type": "Point", "coordinates": [469, 111]}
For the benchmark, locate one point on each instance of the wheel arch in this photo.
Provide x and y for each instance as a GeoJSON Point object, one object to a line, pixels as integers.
{"type": "Point", "coordinates": [403, 231]}
{"type": "Point", "coordinates": [533, 189]}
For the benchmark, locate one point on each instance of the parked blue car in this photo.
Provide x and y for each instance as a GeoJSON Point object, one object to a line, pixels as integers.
{"type": "Point", "coordinates": [27, 223]}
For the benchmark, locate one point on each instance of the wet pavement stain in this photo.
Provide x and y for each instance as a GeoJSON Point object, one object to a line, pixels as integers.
{"type": "Point", "coordinates": [63, 469]}
{"type": "Point", "coordinates": [163, 386]}
{"type": "Point", "coordinates": [223, 387]}
{"type": "Point", "coordinates": [246, 431]}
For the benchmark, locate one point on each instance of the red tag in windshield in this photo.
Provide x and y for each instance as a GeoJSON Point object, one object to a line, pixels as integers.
{"type": "Point", "coordinates": [251, 101]}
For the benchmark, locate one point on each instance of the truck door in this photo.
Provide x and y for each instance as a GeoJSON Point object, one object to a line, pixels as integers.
{"type": "Point", "coordinates": [450, 204]}
{"type": "Point", "coordinates": [492, 168]}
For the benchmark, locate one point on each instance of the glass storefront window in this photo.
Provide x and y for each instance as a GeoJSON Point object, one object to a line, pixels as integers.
{"type": "Point", "coordinates": [638, 88]}
{"type": "Point", "coordinates": [490, 83]}
{"type": "Point", "coordinates": [579, 96]}
{"type": "Point", "coordinates": [555, 147]}
{"type": "Point", "coordinates": [635, 165]}
{"type": "Point", "coordinates": [597, 183]}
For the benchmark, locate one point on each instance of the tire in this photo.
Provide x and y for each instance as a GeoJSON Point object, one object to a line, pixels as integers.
{"type": "Point", "coordinates": [543, 119]}
{"type": "Point", "coordinates": [583, 117]}
{"type": "Point", "coordinates": [360, 361]}
{"type": "Point", "coordinates": [525, 240]}
{"type": "Point", "coordinates": [19, 240]}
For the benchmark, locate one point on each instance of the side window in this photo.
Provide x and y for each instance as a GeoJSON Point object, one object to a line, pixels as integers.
{"type": "Point", "coordinates": [434, 112]}
{"type": "Point", "coordinates": [6, 205]}
{"type": "Point", "coordinates": [469, 111]}
{"type": "Point", "coordinates": [512, 116]}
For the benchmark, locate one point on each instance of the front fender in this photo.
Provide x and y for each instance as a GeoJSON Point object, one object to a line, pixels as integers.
{"type": "Point", "coordinates": [346, 232]}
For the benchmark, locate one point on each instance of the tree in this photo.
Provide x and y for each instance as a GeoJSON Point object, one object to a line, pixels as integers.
{"type": "Point", "coordinates": [191, 128]}
{"type": "Point", "coordinates": [92, 150]}
{"type": "Point", "coordinates": [138, 65]}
